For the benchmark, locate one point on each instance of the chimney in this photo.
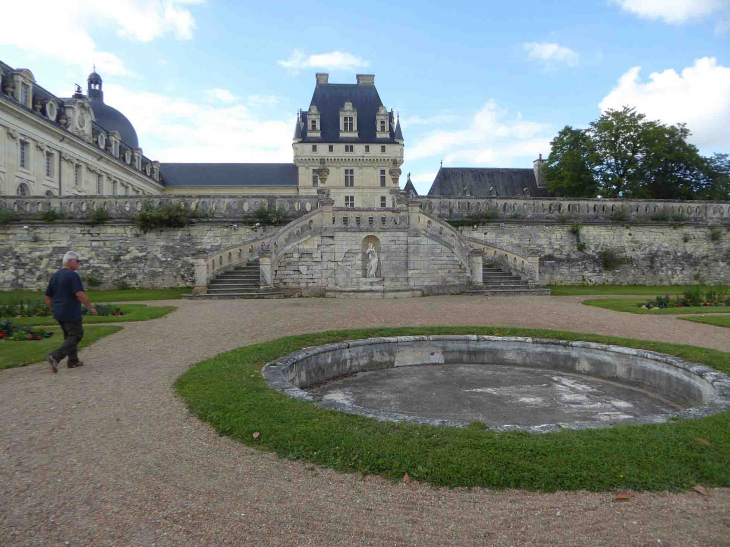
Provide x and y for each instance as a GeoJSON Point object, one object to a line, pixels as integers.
{"type": "Point", "coordinates": [366, 79]}
{"type": "Point", "coordinates": [322, 78]}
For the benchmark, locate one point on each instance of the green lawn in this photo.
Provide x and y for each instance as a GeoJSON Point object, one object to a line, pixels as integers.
{"type": "Point", "coordinates": [229, 392]}
{"type": "Point", "coordinates": [132, 295]}
{"type": "Point", "coordinates": [718, 321]}
{"type": "Point", "coordinates": [133, 312]}
{"type": "Point", "coordinates": [630, 305]}
{"type": "Point", "coordinates": [13, 354]}
{"type": "Point", "coordinates": [579, 290]}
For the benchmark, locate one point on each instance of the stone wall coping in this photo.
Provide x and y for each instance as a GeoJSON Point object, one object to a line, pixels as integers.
{"type": "Point", "coordinates": [717, 397]}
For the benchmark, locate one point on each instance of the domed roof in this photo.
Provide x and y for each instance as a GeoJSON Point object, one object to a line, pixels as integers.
{"type": "Point", "coordinates": [112, 120]}
{"type": "Point", "coordinates": [108, 117]}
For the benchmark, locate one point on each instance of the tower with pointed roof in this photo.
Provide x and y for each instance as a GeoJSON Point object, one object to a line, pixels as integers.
{"type": "Point", "coordinates": [349, 143]}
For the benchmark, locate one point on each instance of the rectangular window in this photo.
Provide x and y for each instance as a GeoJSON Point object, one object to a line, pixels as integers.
{"type": "Point", "coordinates": [314, 125]}
{"type": "Point", "coordinates": [49, 164]}
{"type": "Point", "coordinates": [349, 177]}
{"type": "Point", "coordinates": [350, 201]}
{"type": "Point", "coordinates": [99, 184]}
{"type": "Point", "coordinates": [383, 201]}
{"type": "Point", "coordinates": [114, 188]}
{"type": "Point", "coordinates": [349, 148]}
{"type": "Point", "coordinates": [315, 179]}
{"type": "Point", "coordinates": [77, 174]}
{"type": "Point", "coordinates": [349, 123]}
{"type": "Point", "coordinates": [382, 177]}
{"type": "Point", "coordinates": [314, 148]}
{"type": "Point", "coordinates": [367, 148]}
{"type": "Point", "coordinates": [382, 149]}
{"type": "Point", "coordinates": [332, 148]}
{"type": "Point", "coordinates": [126, 190]}
{"type": "Point", "coordinates": [23, 152]}
{"type": "Point", "coordinates": [382, 127]}
{"type": "Point", "coordinates": [24, 92]}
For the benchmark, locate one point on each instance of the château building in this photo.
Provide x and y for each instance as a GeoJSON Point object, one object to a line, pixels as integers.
{"type": "Point", "coordinates": [346, 142]}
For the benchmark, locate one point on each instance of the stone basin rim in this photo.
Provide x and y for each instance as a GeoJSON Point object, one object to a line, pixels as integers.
{"type": "Point", "coordinates": [709, 388]}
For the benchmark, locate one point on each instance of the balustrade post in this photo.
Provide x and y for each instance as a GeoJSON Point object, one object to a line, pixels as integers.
{"type": "Point", "coordinates": [476, 260]}
{"type": "Point", "coordinates": [201, 276]}
{"type": "Point", "coordinates": [265, 279]}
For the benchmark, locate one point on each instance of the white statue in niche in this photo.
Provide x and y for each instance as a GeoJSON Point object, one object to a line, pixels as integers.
{"type": "Point", "coordinates": [372, 256]}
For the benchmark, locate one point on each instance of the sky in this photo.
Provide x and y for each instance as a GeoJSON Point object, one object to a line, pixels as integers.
{"type": "Point", "coordinates": [475, 83]}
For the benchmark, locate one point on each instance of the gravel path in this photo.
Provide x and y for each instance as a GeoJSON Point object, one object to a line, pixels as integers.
{"type": "Point", "coordinates": [107, 455]}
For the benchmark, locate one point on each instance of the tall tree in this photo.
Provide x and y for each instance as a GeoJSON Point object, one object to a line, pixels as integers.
{"type": "Point", "coordinates": [717, 184]}
{"type": "Point", "coordinates": [567, 170]}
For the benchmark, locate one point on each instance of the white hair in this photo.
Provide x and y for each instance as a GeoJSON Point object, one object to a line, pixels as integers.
{"type": "Point", "coordinates": [71, 255]}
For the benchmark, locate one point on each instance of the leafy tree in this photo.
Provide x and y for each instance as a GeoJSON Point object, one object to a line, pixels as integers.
{"type": "Point", "coordinates": [567, 170]}
{"type": "Point", "coordinates": [622, 154]}
{"type": "Point", "coordinates": [717, 181]}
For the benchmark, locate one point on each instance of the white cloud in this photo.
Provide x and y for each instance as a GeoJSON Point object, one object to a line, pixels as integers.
{"type": "Point", "coordinates": [673, 11]}
{"type": "Point", "coordinates": [337, 60]}
{"type": "Point", "coordinates": [220, 95]}
{"type": "Point", "coordinates": [551, 54]}
{"type": "Point", "coordinates": [173, 129]}
{"type": "Point", "coordinates": [66, 35]}
{"type": "Point", "coordinates": [698, 97]}
{"type": "Point", "coordinates": [437, 119]}
{"type": "Point", "coordinates": [262, 100]}
{"type": "Point", "coordinates": [492, 138]}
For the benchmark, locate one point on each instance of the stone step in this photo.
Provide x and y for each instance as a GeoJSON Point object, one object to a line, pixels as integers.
{"type": "Point", "coordinates": [238, 288]}
{"type": "Point", "coordinates": [215, 285]}
{"type": "Point", "coordinates": [233, 295]}
{"type": "Point", "coordinates": [504, 292]}
{"type": "Point", "coordinates": [234, 276]}
{"type": "Point", "coordinates": [507, 284]}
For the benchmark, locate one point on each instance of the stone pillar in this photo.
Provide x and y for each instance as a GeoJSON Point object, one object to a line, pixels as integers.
{"type": "Point", "coordinates": [327, 205]}
{"type": "Point", "coordinates": [476, 261]}
{"type": "Point", "coordinates": [534, 262]}
{"type": "Point", "coordinates": [414, 212]}
{"type": "Point", "coordinates": [201, 276]}
{"type": "Point", "coordinates": [265, 279]}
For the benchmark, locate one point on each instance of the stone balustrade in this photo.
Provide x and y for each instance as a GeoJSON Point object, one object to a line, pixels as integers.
{"type": "Point", "coordinates": [520, 262]}
{"type": "Point", "coordinates": [577, 210]}
{"type": "Point", "coordinates": [226, 207]}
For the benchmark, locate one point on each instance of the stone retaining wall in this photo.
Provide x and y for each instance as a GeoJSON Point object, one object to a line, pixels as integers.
{"type": "Point", "coordinates": [649, 254]}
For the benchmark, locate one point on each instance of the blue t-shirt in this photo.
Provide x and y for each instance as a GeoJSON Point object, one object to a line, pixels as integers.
{"type": "Point", "coordinates": [62, 287]}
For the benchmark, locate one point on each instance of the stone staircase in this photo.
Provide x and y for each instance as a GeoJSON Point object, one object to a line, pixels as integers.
{"type": "Point", "coordinates": [500, 283]}
{"type": "Point", "coordinates": [239, 282]}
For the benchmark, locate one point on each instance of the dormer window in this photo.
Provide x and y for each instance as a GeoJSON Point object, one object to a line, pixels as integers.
{"type": "Point", "coordinates": [382, 127]}
{"type": "Point", "coordinates": [24, 94]}
{"type": "Point", "coordinates": [314, 125]}
{"type": "Point", "coordinates": [382, 123]}
{"type": "Point", "coordinates": [348, 121]}
{"type": "Point", "coordinates": [313, 118]}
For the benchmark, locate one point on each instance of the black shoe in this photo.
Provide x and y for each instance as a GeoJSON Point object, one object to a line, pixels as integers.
{"type": "Point", "coordinates": [74, 365]}
{"type": "Point", "coordinates": [54, 364]}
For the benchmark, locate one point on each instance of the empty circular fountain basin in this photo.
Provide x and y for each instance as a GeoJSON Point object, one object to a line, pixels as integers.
{"type": "Point", "coordinates": [532, 384]}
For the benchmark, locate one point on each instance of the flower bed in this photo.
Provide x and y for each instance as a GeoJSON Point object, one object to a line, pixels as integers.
{"type": "Point", "coordinates": [35, 307]}
{"type": "Point", "coordinates": [692, 297]}
{"type": "Point", "coordinates": [17, 333]}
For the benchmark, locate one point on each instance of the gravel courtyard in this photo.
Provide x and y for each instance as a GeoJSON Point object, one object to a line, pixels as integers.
{"type": "Point", "coordinates": [108, 455]}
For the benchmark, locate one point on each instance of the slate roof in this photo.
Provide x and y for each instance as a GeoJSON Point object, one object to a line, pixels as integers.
{"type": "Point", "coordinates": [330, 98]}
{"type": "Point", "coordinates": [409, 187]}
{"type": "Point", "coordinates": [228, 174]}
{"type": "Point", "coordinates": [110, 119]}
{"type": "Point", "coordinates": [451, 181]}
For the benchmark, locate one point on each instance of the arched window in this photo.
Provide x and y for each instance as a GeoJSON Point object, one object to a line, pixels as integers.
{"type": "Point", "coordinates": [23, 190]}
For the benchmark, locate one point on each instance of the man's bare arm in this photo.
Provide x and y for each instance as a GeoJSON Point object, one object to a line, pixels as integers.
{"type": "Point", "coordinates": [81, 295]}
{"type": "Point", "coordinates": [49, 301]}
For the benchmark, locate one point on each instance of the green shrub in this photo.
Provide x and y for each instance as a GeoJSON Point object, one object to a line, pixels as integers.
{"type": "Point", "coordinates": [581, 247]}
{"type": "Point", "coordinates": [92, 281]}
{"type": "Point", "coordinates": [575, 229]}
{"type": "Point", "coordinates": [715, 234]}
{"type": "Point", "coordinates": [517, 215]}
{"type": "Point", "coordinates": [483, 216]}
{"type": "Point", "coordinates": [694, 296]}
{"type": "Point", "coordinates": [50, 216]}
{"type": "Point", "coordinates": [661, 216]}
{"type": "Point", "coordinates": [154, 217]}
{"type": "Point", "coordinates": [685, 238]}
{"type": "Point", "coordinates": [620, 215]}
{"type": "Point", "coordinates": [6, 217]}
{"type": "Point", "coordinates": [122, 284]}
{"type": "Point", "coordinates": [611, 260]}
{"type": "Point", "coordinates": [98, 216]}
{"type": "Point", "coordinates": [679, 217]}
{"type": "Point", "coordinates": [562, 219]}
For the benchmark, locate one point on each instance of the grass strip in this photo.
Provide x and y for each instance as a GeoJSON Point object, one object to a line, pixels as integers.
{"type": "Point", "coordinates": [14, 354]}
{"type": "Point", "coordinates": [130, 295]}
{"type": "Point", "coordinates": [133, 312]}
{"type": "Point", "coordinates": [631, 305]}
{"type": "Point", "coordinates": [590, 290]}
{"type": "Point", "coordinates": [229, 392]}
{"type": "Point", "coordinates": [717, 321]}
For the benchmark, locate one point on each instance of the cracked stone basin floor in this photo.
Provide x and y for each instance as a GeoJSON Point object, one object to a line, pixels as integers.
{"type": "Point", "coordinates": [494, 394]}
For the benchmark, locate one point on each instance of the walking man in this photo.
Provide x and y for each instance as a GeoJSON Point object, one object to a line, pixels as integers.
{"type": "Point", "coordinates": [64, 296]}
